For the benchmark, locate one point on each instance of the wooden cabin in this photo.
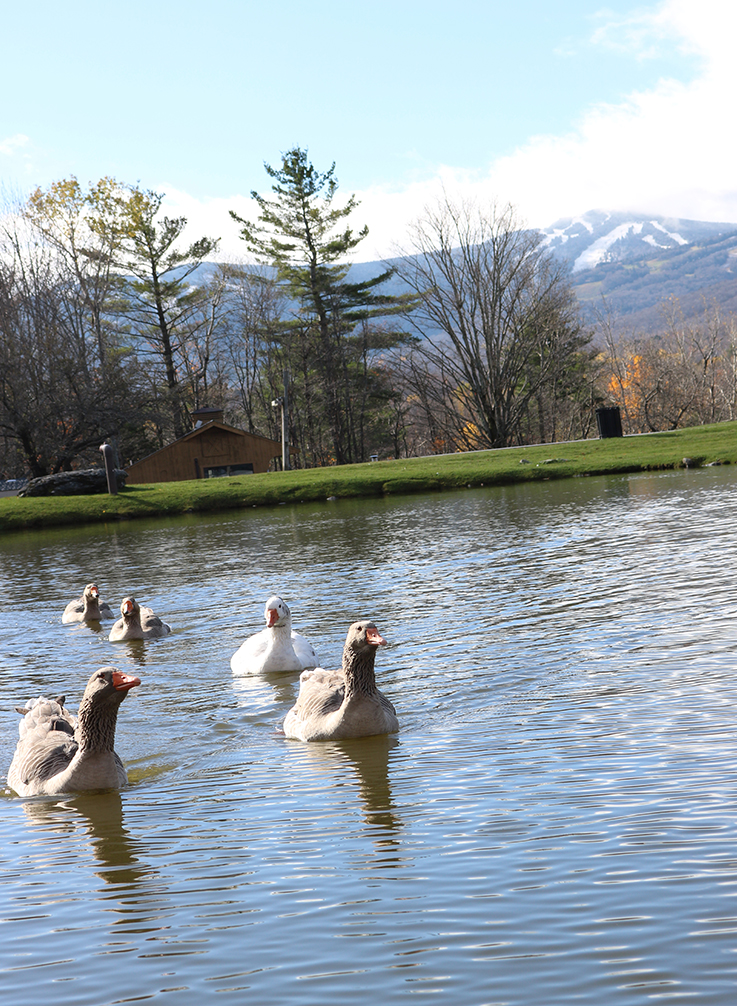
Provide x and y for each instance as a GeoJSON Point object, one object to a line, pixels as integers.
{"type": "Point", "coordinates": [209, 450]}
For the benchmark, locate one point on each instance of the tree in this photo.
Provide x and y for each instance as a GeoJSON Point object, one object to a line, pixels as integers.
{"type": "Point", "coordinates": [93, 280]}
{"type": "Point", "coordinates": [498, 317]}
{"type": "Point", "coordinates": [685, 374]}
{"type": "Point", "coordinates": [163, 308]}
{"type": "Point", "coordinates": [328, 341]}
{"type": "Point", "coordinates": [58, 400]}
{"type": "Point", "coordinates": [85, 231]}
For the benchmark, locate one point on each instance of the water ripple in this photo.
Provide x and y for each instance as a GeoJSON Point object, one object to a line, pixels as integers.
{"type": "Point", "coordinates": [558, 813]}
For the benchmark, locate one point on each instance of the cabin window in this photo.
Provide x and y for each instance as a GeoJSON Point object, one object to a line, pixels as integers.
{"type": "Point", "coordinates": [223, 471]}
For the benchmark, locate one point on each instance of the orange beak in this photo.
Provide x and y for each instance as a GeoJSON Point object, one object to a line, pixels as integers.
{"type": "Point", "coordinates": [374, 637]}
{"type": "Point", "coordinates": [272, 617]}
{"type": "Point", "coordinates": [127, 608]}
{"type": "Point", "coordinates": [122, 682]}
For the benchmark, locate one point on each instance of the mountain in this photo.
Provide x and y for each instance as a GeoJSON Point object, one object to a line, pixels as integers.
{"type": "Point", "coordinates": [601, 238]}
{"type": "Point", "coordinates": [636, 263]}
{"type": "Point", "coordinates": [632, 263]}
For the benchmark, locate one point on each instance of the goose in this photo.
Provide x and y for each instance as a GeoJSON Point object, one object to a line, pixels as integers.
{"type": "Point", "coordinates": [137, 623]}
{"type": "Point", "coordinates": [58, 754]}
{"type": "Point", "coordinates": [88, 607]}
{"type": "Point", "coordinates": [333, 705]}
{"type": "Point", "coordinates": [54, 713]}
{"type": "Point", "coordinates": [277, 647]}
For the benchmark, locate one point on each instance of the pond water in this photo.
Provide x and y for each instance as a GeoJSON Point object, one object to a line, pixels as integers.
{"type": "Point", "coordinates": [555, 823]}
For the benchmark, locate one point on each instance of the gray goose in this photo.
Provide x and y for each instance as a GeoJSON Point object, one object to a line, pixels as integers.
{"type": "Point", "coordinates": [58, 754]}
{"type": "Point", "coordinates": [88, 607]}
{"type": "Point", "coordinates": [137, 622]}
{"type": "Point", "coordinates": [333, 705]}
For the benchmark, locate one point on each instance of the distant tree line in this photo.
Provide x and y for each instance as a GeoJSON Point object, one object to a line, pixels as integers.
{"type": "Point", "coordinates": [684, 374]}
{"type": "Point", "coordinates": [112, 327]}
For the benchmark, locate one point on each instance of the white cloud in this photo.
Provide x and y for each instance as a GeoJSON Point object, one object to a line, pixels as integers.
{"type": "Point", "coordinates": [641, 34]}
{"type": "Point", "coordinates": [386, 213]}
{"type": "Point", "coordinates": [668, 150]}
{"type": "Point", "coordinates": [11, 145]}
{"type": "Point", "coordinates": [208, 218]}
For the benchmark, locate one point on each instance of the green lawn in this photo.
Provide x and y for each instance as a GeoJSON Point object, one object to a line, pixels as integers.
{"type": "Point", "coordinates": [702, 444]}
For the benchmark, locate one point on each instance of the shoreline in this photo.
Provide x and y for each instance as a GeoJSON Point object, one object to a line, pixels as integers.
{"type": "Point", "coordinates": [687, 448]}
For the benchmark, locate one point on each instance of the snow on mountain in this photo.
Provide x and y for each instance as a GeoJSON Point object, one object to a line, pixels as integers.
{"type": "Point", "coordinates": [600, 237]}
{"type": "Point", "coordinates": [674, 237]}
{"type": "Point", "coordinates": [635, 264]}
{"type": "Point", "coordinates": [598, 250]}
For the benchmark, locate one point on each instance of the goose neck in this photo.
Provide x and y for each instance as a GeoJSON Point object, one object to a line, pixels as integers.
{"type": "Point", "coordinates": [358, 670]}
{"type": "Point", "coordinates": [96, 726]}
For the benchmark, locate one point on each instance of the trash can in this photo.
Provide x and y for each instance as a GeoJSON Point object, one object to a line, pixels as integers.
{"type": "Point", "coordinates": [609, 422]}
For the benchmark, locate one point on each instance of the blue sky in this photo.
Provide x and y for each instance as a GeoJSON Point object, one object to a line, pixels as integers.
{"type": "Point", "coordinates": [557, 108]}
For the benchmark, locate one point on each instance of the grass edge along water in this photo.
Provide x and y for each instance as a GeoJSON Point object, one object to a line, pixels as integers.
{"type": "Point", "coordinates": [692, 447]}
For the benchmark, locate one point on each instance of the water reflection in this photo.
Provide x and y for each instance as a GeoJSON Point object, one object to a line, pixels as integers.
{"type": "Point", "coordinates": [96, 819]}
{"type": "Point", "coordinates": [97, 627]}
{"type": "Point", "coordinates": [557, 812]}
{"type": "Point", "coordinates": [265, 692]}
{"type": "Point", "coordinates": [368, 759]}
{"type": "Point", "coordinates": [136, 650]}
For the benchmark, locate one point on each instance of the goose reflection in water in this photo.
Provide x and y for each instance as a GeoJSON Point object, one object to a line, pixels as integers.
{"type": "Point", "coordinates": [369, 758]}
{"type": "Point", "coordinates": [135, 649]}
{"type": "Point", "coordinates": [99, 818]}
{"type": "Point", "coordinates": [265, 691]}
{"type": "Point", "coordinates": [98, 627]}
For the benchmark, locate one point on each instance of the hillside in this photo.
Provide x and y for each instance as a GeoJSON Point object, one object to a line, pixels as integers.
{"type": "Point", "coordinates": [636, 263]}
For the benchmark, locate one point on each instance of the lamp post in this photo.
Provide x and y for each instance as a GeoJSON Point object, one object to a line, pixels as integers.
{"type": "Point", "coordinates": [284, 403]}
{"type": "Point", "coordinates": [107, 455]}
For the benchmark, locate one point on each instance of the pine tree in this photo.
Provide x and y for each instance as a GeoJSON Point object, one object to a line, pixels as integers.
{"type": "Point", "coordinates": [161, 301]}
{"type": "Point", "coordinates": [327, 341]}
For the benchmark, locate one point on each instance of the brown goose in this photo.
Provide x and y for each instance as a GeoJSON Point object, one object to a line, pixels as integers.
{"type": "Point", "coordinates": [88, 607]}
{"type": "Point", "coordinates": [137, 623]}
{"type": "Point", "coordinates": [333, 705]}
{"type": "Point", "coordinates": [56, 754]}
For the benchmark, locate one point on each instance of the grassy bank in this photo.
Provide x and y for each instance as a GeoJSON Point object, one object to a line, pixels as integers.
{"type": "Point", "coordinates": [703, 444]}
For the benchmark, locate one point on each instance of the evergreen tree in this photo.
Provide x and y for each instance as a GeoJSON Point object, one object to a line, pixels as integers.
{"type": "Point", "coordinates": [162, 304]}
{"type": "Point", "coordinates": [327, 343]}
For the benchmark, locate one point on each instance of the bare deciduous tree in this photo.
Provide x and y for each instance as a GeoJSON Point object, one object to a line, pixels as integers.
{"type": "Point", "coordinates": [683, 375]}
{"type": "Point", "coordinates": [498, 317]}
{"type": "Point", "coordinates": [57, 400]}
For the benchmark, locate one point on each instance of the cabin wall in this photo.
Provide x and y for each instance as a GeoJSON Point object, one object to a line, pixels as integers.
{"type": "Point", "coordinates": [216, 448]}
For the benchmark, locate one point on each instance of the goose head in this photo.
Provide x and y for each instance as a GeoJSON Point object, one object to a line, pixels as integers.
{"type": "Point", "coordinates": [109, 685]}
{"type": "Point", "coordinates": [129, 608]}
{"type": "Point", "coordinates": [363, 637]}
{"type": "Point", "coordinates": [276, 613]}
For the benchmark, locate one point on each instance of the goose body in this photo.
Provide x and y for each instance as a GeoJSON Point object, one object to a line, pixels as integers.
{"type": "Point", "coordinates": [335, 705]}
{"type": "Point", "coordinates": [137, 622]}
{"type": "Point", "coordinates": [88, 607]}
{"type": "Point", "coordinates": [277, 647]}
{"type": "Point", "coordinates": [57, 753]}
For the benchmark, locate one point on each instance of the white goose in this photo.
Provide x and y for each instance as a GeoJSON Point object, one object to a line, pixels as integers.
{"type": "Point", "coordinates": [277, 647]}
{"type": "Point", "coordinates": [334, 705]}
{"type": "Point", "coordinates": [88, 607]}
{"type": "Point", "coordinates": [58, 754]}
{"type": "Point", "coordinates": [137, 622]}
